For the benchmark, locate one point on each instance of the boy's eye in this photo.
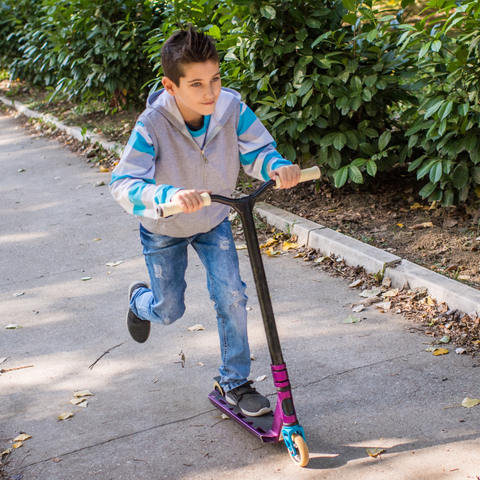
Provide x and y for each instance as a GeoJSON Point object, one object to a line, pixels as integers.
{"type": "Point", "coordinates": [196, 84]}
{"type": "Point", "coordinates": [216, 79]}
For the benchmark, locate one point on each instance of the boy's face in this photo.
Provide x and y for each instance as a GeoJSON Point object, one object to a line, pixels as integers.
{"type": "Point", "coordinates": [198, 91]}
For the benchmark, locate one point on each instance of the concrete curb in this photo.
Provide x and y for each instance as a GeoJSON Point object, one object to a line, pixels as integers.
{"type": "Point", "coordinates": [75, 132]}
{"type": "Point", "coordinates": [327, 241]}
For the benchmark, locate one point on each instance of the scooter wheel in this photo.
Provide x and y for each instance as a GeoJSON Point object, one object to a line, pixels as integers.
{"type": "Point", "coordinates": [301, 456]}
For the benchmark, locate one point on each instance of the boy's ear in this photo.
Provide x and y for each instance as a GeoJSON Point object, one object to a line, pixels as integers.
{"type": "Point", "coordinates": [170, 87]}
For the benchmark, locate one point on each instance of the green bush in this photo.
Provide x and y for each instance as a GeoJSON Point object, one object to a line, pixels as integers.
{"type": "Point", "coordinates": [89, 49]}
{"type": "Point", "coordinates": [221, 19]}
{"type": "Point", "coordinates": [322, 75]}
{"type": "Point", "coordinates": [445, 128]}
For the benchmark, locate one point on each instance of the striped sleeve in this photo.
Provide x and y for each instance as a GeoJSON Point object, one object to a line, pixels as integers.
{"type": "Point", "coordinates": [133, 184]}
{"type": "Point", "coordinates": [256, 146]}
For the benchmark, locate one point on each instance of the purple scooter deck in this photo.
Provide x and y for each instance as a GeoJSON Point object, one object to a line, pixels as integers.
{"type": "Point", "coordinates": [261, 427]}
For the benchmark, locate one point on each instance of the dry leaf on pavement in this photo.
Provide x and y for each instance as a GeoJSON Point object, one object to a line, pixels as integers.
{"type": "Point", "coordinates": [241, 247]}
{"type": "Point", "coordinates": [83, 393]}
{"type": "Point", "coordinates": [391, 293]}
{"type": "Point", "coordinates": [261, 378]}
{"type": "Point", "coordinates": [374, 452]}
{"type": "Point", "coordinates": [440, 351]}
{"type": "Point", "coordinates": [22, 437]}
{"type": "Point", "coordinates": [271, 253]}
{"type": "Point", "coordinates": [114, 264]}
{"type": "Point", "coordinates": [352, 319]}
{"type": "Point", "coordinates": [384, 306]}
{"type": "Point", "coordinates": [195, 328]}
{"type": "Point", "coordinates": [445, 339]}
{"type": "Point", "coordinates": [269, 243]}
{"type": "Point", "coordinates": [17, 445]}
{"type": "Point", "coordinates": [470, 402]}
{"type": "Point", "coordinates": [290, 245]}
{"type": "Point", "coordinates": [66, 415]}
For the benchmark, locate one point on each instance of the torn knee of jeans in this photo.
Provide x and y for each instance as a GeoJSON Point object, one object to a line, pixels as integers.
{"type": "Point", "coordinates": [237, 298]}
{"type": "Point", "coordinates": [224, 243]}
{"type": "Point", "coordinates": [158, 271]}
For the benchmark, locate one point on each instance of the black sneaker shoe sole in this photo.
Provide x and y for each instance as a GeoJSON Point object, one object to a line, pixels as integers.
{"type": "Point", "coordinates": [138, 329]}
{"type": "Point", "coordinates": [261, 412]}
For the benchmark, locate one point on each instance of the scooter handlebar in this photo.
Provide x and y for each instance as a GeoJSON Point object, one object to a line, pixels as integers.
{"type": "Point", "coordinates": [171, 208]}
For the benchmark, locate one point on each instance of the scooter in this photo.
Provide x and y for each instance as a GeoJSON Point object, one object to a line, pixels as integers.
{"type": "Point", "coordinates": [283, 424]}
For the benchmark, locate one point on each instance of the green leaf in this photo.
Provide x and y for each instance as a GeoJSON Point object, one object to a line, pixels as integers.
{"type": "Point", "coordinates": [448, 198]}
{"type": "Point", "coordinates": [372, 35]}
{"type": "Point", "coordinates": [341, 176]}
{"type": "Point", "coordinates": [370, 80]}
{"type": "Point", "coordinates": [475, 172]}
{"type": "Point", "coordinates": [367, 95]}
{"type": "Point", "coordinates": [371, 168]}
{"type": "Point", "coordinates": [370, 132]}
{"type": "Point", "coordinates": [355, 174]}
{"type": "Point", "coordinates": [436, 45]}
{"type": "Point", "coordinates": [427, 190]}
{"type": "Point", "coordinates": [323, 36]}
{"type": "Point", "coordinates": [436, 172]}
{"type": "Point", "coordinates": [290, 153]}
{"type": "Point", "coordinates": [384, 139]}
{"type": "Point", "coordinates": [314, 23]}
{"type": "Point", "coordinates": [328, 139]}
{"type": "Point", "coordinates": [334, 159]}
{"type": "Point", "coordinates": [306, 86]}
{"type": "Point", "coordinates": [424, 49]}
{"type": "Point", "coordinates": [475, 155]}
{"type": "Point", "coordinates": [215, 32]}
{"type": "Point", "coordinates": [433, 108]}
{"type": "Point", "coordinates": [352, 140]}
{"type": "Point", "coordinates": [460, 176]}
{"type": "Point", "coordinates": [425, 168]}
{"type": "Point", "coordinates": [268, 12]}
{"type": "Point", "coordinates": [350, 18]}
{"type": "Point", "coordinates": [463, 109]}
{"type": "Point", "coordinates": [350, 5]}
{"type": "Point", "coordinates": [339, 141]}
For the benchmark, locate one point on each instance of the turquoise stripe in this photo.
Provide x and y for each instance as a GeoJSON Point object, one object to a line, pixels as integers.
{"type": "Point", "coordinates": [266, 160]}
{"type": "Point", "coordinates": [203, 130]}
{"type": "Point", "coordinates": [247, 118]}
{"type": "Point", "coordinates": [165, 193]}
{"type": "Point", "coordinates": [250, 157]}
{"type": "Point", "coordinates": [135, 198]}
{"type": "Point", "coordinates": [280, 162]}
{"type": "Point", "coordinates": [137, 142]}
{"type": "Point", "coordinates": [120, 177]}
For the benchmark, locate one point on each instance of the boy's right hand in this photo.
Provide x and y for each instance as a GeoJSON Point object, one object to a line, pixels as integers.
{"type": "Point", "coordinates": [189, 200]}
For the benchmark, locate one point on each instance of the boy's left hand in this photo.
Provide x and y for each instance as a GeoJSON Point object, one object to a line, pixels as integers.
{"type": "Point", "coordinates": [289, 175]}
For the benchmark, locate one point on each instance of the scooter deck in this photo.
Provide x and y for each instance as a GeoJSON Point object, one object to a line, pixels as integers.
{"type": "Point", "coordinates": [261, 427]}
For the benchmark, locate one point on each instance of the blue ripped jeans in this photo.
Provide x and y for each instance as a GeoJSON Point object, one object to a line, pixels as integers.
{"type": "Point", "coordinates": [166, 259]}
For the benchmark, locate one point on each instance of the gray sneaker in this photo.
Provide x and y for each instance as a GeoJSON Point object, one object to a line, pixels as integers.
{"type": "Point", "coordinates": [249, 401]}
{"type": "Point", "coordinates": [139, 329]}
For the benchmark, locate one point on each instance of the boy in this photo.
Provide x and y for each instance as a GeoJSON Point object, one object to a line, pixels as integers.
{"type": "Point", "coordinates": [192, 138]}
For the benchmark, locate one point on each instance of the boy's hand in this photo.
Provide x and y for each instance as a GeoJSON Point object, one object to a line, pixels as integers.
{"type": "Point", "coordinates": [189, 200]}
{"type": "Point", "coordinates": [289, 175]}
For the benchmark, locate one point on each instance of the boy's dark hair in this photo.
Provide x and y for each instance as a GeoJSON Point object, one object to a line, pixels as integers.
{"type": "Point", "coordinates": [184, 47]}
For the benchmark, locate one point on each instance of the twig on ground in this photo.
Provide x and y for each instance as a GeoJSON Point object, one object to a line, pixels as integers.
{"type": "Point", "coordinates": [4, 370]}
{"type": "Point", "coordinates": [103, 354]}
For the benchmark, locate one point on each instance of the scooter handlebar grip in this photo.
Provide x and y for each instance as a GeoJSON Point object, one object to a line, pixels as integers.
{"type": "Point", "coordinates": [171, 208]}
{"type": "Point", "coordinates": [312, 173]}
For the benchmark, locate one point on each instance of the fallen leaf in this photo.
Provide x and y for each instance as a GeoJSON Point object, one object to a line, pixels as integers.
{"type": "Point", "coordinates": [470, 402]}
{"type": "Point", "coordinates": [20, 170]}
{"type": "Point", "coordinates": [391, 293]}
{"type": "Point", "coordinates": [22, 437]}
{"type": "Point", "coordinates": [79, 401]}
{"type": "Point", "coordinates": [460, 350]}
{"type": "Point", "coordinates": [17, 445]}
{"type": "Point", "coordinates": [269, 242]}
{"type": "Point", "coordinates": [431, 301]}
{"type": "Point", "coordinates": [449, 223]}
{"type": "Point", "coordinates": [476, 342]}
{"type": "Point", "coordinates": [464, 277]}
{"type": "Point", "coordinates": [84, 279]}
{"type": "Point", "coordinates": [83, 393]}
{"type": "Point", "coordinates": [374, 292]}
{"type": "Point", "coordinates": [290, 245]}
{"type": "Point", "coordinates": [7, 451]}
{"type": "Point", "coordinates": [83, 403]}
{"type": "Point", "coordinates": [374, 452]}
{"type": "Point", "coordinates": [352, 319]}
{"type": "Point", "coordinates": [195, 328]}
{"type": "Point", "coordinates": [445, 339]}
{"type": "Point", "coordinates": [12, 326]}
{"type": "Point", "coordinates": [248, 309]}
{"type": "Point", "coordinates": [387, 282]}
{"type": "Point", "coordinates": [299, 255]}
{"type": "Point", "coordinates": [252, 358]}
{"type": "Point", "coordinates": [56, 460]}
{"type": "Point", "coordinates": [384, 306]}
{"type": "Point", "coordinates": [261, 378]}
{"type": "Point", "coordinates": [440, 351]}
{"type": "Point", "coordinates": [99, 184]}
{"type": "Point", "coordinates": [225, 417]}
{"type": "Point", "coordinates": [18, 294]}
{"type": "Point", "coordinates": [96, 239]}
{"type": "Point", "coordinates": [358, 308]}
{"type": "Point", "coordinates": [2, 359]}
{"type": "Point", "coordinates": [241, 247]}
{"type": "Point", "coordinates": [430, 349]}
{"type": "Point", "coordinates": [356, 283]}
{"type": "Point", "coordinates": [401, 225]}
{"type": "Point", "coordinates": [104, 169]}
{"type": "Point", "coordinates": [271, 253]}
{"type": "Point", "coordinates": [320, 259]}
{"type": "Point", "coordinates": [422, 225]}
{"type": "Point", "coordinates": [415, 206]}
{"type": "Point", "coordinates": [66, 415]}
{"type": "Point", "coordinates": [114, 264]}
{"type": "Point", "coordinates": [452, 268]}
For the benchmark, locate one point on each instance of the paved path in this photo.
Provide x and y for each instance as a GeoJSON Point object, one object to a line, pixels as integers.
{"type": "Point", "coordinates": [355, 386]}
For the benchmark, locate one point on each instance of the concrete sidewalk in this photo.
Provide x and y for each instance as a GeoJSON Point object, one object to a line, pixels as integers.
{"type": "Point", "coordinates": [356, 386]}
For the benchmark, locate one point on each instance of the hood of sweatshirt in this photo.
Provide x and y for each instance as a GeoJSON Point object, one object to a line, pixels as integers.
{"type": "Point", "coordinates": [165, 104]}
